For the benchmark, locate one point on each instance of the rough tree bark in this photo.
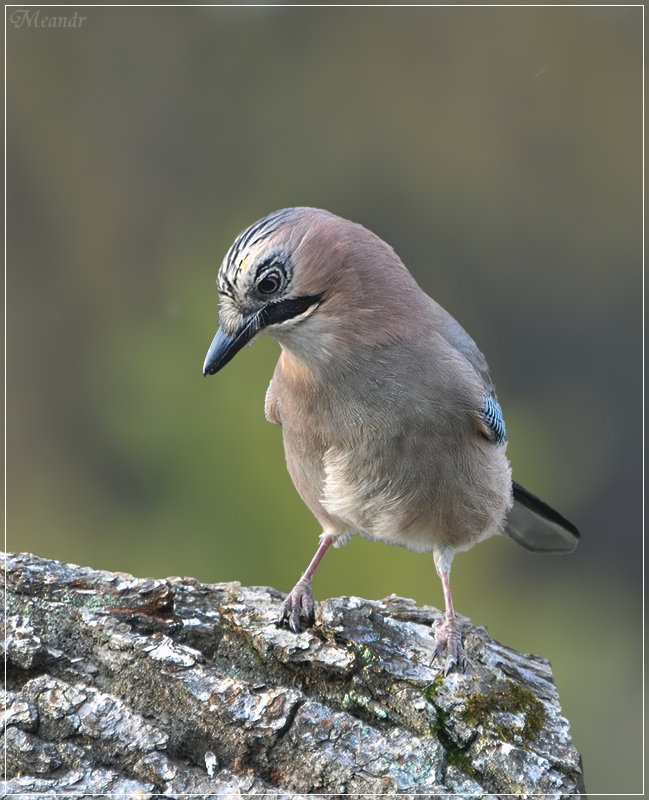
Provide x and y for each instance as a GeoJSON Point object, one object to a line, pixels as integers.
{"type": "Point", "coordinates": [123, 686]}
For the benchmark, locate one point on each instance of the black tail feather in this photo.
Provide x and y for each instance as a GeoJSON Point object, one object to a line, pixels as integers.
{"type": "Point", "coordinates": [536, 526]}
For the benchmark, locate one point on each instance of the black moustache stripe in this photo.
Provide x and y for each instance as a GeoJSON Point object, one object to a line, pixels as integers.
{"type": "Point", "coordinates": [273, 313]}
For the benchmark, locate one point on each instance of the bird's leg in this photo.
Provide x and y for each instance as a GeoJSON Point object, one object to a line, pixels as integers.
{"type": "Point", "coordinates": [298, 609]}
{"type": "Point", "coordinates": [447, 633]}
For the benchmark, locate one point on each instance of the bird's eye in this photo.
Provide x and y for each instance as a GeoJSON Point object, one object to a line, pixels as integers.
{"type": "Point", "coordinates": [270, 282]}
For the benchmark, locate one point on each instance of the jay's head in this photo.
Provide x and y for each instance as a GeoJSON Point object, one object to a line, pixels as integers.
{"type": "Point", "coordinates": [307, 278]}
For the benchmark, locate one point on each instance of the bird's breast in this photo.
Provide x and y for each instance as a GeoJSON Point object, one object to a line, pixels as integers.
{"type": "Point", "coordinates": [380, 461]}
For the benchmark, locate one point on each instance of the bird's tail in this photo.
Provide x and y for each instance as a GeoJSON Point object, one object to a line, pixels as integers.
{"type": "Point", "coordinates": [537, 527]}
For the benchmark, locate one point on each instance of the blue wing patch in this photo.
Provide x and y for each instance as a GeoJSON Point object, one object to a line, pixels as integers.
{"type": "Point", "coordinates": [492, 415]}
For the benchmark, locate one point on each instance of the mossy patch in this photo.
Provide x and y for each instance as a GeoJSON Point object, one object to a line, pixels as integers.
{"type": "Point", "coordinates": [453, 753]}
{"type": "Point", "coordinates": [492, 711]}
{"type": "Point", "coordinates": [510, 698]}
{"type": "Point", "coordinates": [432, 690]}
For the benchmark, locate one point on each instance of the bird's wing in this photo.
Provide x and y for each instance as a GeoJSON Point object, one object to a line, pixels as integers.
{"type": "Point", "coordinates": [489, 413]}
{"type": "Point", "coordinates": [460, 340]}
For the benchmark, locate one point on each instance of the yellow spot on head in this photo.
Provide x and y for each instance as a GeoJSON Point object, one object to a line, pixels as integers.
{"type": "Point", "coordinates": [244, 265]}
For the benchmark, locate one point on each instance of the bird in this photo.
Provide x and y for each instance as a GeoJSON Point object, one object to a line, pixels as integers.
{"type": "Point", "coordinates": [391, 425]}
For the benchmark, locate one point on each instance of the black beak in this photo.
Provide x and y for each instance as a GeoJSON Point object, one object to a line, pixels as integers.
{"type": "Point", "coordinates": [224, 348]}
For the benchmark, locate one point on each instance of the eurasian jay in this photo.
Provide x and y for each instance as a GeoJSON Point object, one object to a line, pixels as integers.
{"type": "Point", "coordinates": [390, 420]}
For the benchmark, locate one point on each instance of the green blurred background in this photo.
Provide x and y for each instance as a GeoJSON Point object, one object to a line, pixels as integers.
{"type": "Point", "coordinates": [497, 149]}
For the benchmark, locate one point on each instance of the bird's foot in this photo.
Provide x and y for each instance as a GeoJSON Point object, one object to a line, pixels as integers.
{"type": "Point", "coordinates": [298, 610]}
{"type": "Point", "coordinates": [449, 638]}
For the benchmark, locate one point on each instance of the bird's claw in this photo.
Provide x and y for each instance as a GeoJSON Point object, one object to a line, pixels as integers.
{"type": "Point", "coordinates": [298, 610]}
{"type": "Point", "coordinates": [448, 637]}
